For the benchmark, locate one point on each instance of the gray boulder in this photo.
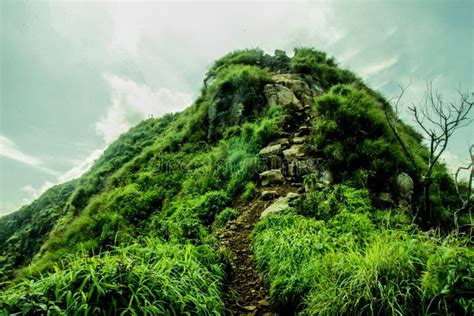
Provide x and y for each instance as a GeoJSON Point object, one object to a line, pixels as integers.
{"type": "Point", "coordinates": [405, 187]}
{"type": "Point", "coordinates": [280, 205]}
{"type": "Point", "coordinates": [271, 177]}
{"type": "Point", "coordinates": [277, 94]}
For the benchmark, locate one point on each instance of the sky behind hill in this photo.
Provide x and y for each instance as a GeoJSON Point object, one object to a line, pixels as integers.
{"type": "Point", "coordinates": [74, 75]}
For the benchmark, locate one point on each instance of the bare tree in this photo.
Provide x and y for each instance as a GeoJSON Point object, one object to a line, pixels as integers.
{"type": "Point", "coordinates": [465, 197]}
{"type": "Point", "coordinates": [438, 120]}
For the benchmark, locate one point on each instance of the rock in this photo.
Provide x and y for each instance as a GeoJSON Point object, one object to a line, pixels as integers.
{"type": "Point", "coordinates": [278, 94]}
{"type": "Point", "coordinates": [326, 177]}
{"type": "Point", "coordinates": [264, 303]}
{"type": "Point", "coordinates": [296, 84]}
{"type": "Point", "coordinates": [295, 151]}
{"type": "Point", "coordinates": [303, 130]}
{"type": "Point", "coordinates": [283, 142]}
{"type": "Point", "coordinates": [317, 180]}
{"type": "Point", "coordinates": [308, 166]}
{"type": "Point", "coordinates": [405, 188]}
{"type": "Point", "coordinates": [270, 177]}
{"type": "Point", "coordinates": [292, 169]}
{"type": "Point", "coordinates": [280, 205]}
{"type": "Point", "coordinates": [298, 140]}
{"type": "Point", "coordinates": [269, 195]}
{"type": "Point", "coordinates": [273, 150]}
{"type": "Point", "coordinates": [385, 199]}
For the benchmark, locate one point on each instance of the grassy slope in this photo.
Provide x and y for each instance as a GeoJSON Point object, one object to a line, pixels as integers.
{"type": "Point", "coordinates": [168, 179]}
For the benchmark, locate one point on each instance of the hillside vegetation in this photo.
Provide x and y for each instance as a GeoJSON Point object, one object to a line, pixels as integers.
{"type": "Point", "coordinates": [141, 232]}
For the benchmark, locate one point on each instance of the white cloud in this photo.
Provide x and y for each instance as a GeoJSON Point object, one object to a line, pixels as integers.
{"type": "Point", "coordinates": [376, 68]}
{"type": "Point", "coordinates": [453, 162]}
{"type": "Point", "coordinates": [35, 192]}
{"type": "Point", "coordinates": [81, 168]}
{"type": "Point", "coordinates": [10, 150]}
{"type": "Point", "coordinates": [132, 102]}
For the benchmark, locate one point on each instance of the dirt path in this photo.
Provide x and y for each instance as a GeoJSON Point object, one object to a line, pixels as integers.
{"type": "Point", "coordinates": [246, 292]}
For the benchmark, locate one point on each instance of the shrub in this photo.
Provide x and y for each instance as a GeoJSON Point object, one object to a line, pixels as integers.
{"type": "Point", "coordinates": [226, 215]}
{"type": "Point", "coordinates": [330, 201]}
{"type": "Point", "coordinates": [319, 67]}
{"type": "Point", "coordinates": [211, 204]}
{"type": "Point", "coordinates": [448, 280]}
{"type": "Point", "coordinates": [249, 192]}
{"type": "Point", "coordinates": [355, 140]}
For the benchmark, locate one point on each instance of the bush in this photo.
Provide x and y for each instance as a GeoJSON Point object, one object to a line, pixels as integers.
{"type": "Point", "coordinates": [354, 138]}
{"type": "Point", "coordinates": [330, 201]}
{"type": "Point", "coordinates": [211, 204]}
{"type": "Point", "coordinates": [249, 192]}
{"type": "Point", "coordinates": [448, 280]}
{"type": "Point", "coordinates": [319, 67]}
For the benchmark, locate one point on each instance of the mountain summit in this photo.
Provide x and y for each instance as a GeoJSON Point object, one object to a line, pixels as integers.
{"type": "Point", "coordinates": [282, 189]}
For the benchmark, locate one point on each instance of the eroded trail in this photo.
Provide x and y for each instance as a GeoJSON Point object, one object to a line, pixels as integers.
{"type": "Point", "coordinates": [286, 158]}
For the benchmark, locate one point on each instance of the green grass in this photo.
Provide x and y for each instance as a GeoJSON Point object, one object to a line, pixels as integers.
{"type": "Point", "coordinates": [345, 264]}
{"type": "Point", "coordinates": [150, 277]}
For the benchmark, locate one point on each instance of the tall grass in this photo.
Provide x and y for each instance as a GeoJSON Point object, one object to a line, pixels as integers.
{"type": "Point", "coordinates": [151, 278]}
{"type": "Point", "coordinates": [347, 265]}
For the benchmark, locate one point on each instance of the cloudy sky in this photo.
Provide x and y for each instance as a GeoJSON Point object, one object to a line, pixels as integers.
{"type": "Point", "coordinates": [74, 75]}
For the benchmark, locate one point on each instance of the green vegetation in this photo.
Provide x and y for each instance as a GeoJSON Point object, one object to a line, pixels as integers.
{"type": "Point", "coordinates": [136, 234]}
{"type": "Point", "coordinates": [226, 215]}
{"type": "Point", "coordinates": [22, 233]}
{"type": "Point", "coordinates": [150, 277]}
{"type": "Point", "coordinates": [335, 259]}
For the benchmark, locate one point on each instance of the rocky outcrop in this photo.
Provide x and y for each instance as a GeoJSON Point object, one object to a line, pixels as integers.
{"type": "Point", "coordinates": [297, 85]}
{"type": "Point", "coordinates": [278, 94]}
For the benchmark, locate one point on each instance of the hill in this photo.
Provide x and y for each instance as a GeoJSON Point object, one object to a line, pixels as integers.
{"type": "Point", "coordinates": [281, 189]}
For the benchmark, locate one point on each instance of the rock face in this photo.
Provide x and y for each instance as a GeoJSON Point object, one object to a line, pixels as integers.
{"type": "Point", "coordinates": [278, 94]}
{"type": "Point", "coordinates": [271, 177]}
{"type": "Point", "coordinates": [280, 205]}
{"type": "Point", "coordinates": [298, 140]}
{"type": "Point", "coordinates": [297, 85]}
{"type": "Point", "coordinates": [234, 105]}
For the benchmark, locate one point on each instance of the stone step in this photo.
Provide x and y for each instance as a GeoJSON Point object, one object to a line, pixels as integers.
{"type": "Point", "coordinates": [272, 150]}
{"type": "Point", "coordinates": [269, 195]}
{"type": "Point", "coordinates": [294, 152]}
{"type": "Point", "coordinates": [280, 205]}
{"type": "Point", "coordinates": [271, 177]}
{"type": "Point", "coordinates": [298, 140]}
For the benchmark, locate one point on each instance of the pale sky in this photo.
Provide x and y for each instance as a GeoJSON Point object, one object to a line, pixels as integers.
{"type": "Point", "coordinates": [74, 75]}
